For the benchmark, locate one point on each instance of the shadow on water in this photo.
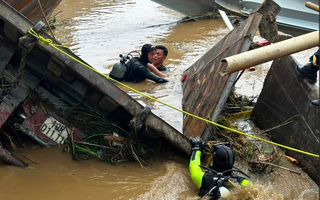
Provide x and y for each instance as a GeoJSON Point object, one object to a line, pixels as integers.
{"type": "Point", "coordinates": [98, 31]}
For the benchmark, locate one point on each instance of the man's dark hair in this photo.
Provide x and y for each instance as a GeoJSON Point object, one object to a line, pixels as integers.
{"type": "Point", "coordinates": [163, 48]}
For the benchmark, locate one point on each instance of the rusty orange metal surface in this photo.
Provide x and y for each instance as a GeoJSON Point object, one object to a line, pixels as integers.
{"type": "Point", "coordinates": [205, 90]}
{"type": "Point", "coordinates": [31, 8]}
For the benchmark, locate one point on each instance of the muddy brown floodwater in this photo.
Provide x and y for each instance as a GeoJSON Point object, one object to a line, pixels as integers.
{"type": "Point", "coordinates": [98, 31]}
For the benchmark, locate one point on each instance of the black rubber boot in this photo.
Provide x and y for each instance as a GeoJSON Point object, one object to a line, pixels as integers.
{"type": "Point", "coordinates": [309, 72]}
{"type": "Point", "coordinates": [315, 102]}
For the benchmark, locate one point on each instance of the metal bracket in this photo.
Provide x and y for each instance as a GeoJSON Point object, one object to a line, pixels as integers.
{"type": "Point", "coordinates": [138, 120]}
{"type": "Point", "coordinates": [27, 42]}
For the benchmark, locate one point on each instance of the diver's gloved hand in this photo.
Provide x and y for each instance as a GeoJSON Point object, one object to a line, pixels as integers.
{"type": "Point", "coordinates": [161, 80]}
{"type": "Point", "coordinates": [197, 144]}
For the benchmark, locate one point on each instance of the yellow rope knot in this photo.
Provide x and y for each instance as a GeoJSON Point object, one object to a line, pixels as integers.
{"type": "Point", "coordinates": [32, 32]}
{"type": "Point", "coordinates": [42, 40]}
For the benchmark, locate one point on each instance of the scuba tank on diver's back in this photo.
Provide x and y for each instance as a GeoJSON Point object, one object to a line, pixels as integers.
{"type": "Point", "coordinates": [120, 70]}
{"type": "Point", "coordinates": [224, 192]}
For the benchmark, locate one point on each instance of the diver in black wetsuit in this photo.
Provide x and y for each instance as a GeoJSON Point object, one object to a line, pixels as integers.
{"type": "Point", "coordinates": [138, 70]}
{"type": "Point", "coordinates": [218, 174]}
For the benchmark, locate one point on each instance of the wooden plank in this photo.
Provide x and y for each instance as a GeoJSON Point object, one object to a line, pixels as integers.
{"type": "Point", "coordinates": [205, 90]}
{"type": "Point", "coordinates": [286, 95]}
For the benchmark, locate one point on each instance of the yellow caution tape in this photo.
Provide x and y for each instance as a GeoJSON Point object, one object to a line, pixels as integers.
{"type": "Point", "coordinates": [49, 42]}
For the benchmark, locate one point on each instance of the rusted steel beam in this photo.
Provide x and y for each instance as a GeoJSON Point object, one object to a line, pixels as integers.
{"type": "Point", "coordinates": [286, 95]}
{"type": "Point", "coordinates": [205, 90]}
